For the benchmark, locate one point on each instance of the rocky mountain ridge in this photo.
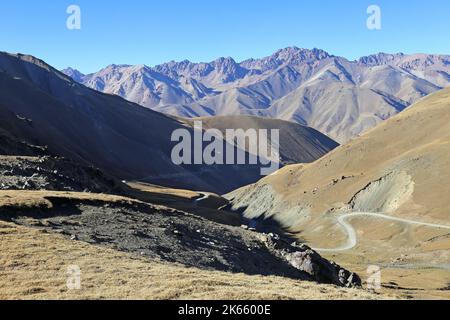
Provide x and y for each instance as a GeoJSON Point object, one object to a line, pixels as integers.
{"type": "Point", "coordinates": [331, 94]}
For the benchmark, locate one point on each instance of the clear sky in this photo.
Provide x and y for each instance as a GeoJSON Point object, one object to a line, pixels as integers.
{"type": "Point", "coordinates": [155, 31]}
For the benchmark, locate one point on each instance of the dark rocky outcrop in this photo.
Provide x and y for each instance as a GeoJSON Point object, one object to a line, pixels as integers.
{"type": "Point", "coordinates": [303, 258]}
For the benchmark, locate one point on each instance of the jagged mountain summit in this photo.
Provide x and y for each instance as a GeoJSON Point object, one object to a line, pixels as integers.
{"type": "Point", "coordinates": [338, 97]}
{"type": "Point", "coordinates": [74, 74]}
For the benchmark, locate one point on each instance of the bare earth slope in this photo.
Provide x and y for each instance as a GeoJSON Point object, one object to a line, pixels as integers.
{"type": "Point", "coordinates": [298, 144]}
{"type": "Point", "coordinates": [404, 156]}
{"type": "Point", "coordinates": [41, 106]}
{"type": "Point", "coordinates": [11, 146]}
{"type": "Point", "coordinates": [400, 169]}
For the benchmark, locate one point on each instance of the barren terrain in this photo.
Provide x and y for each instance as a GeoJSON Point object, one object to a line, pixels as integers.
{"type": "Point", "coordinates": [400, 170]}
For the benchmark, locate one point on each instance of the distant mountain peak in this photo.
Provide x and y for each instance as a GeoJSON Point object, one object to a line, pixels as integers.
{"type": "Point", "coordinates": [287, 56]}
{"type": "Point", "coordinates": [228, 69]}
{"type": "Point", "coordinates": [380, 58]}
{"type": "Point", "coordinates": [223, 64]}
{"type": "Point", "coordinates": [70, 69]}
{"type": "Point", "coordinates": [224, 60]}
{"type": "Point", "coordinates": [117, 66]}
{"type": "Point", "coordinates": [308, 86]}
{"type": "Point", "coordinates": [295, 54]}
{"type": "Point", "coordinates": [74, 74]}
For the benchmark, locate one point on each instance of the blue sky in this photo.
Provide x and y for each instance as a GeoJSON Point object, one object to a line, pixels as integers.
{"type": "Point", "coordinates": [154, 31]}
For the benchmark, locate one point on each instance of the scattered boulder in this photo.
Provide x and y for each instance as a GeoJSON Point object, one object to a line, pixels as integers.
{"type": "Point", "coordinates": [305, 259]}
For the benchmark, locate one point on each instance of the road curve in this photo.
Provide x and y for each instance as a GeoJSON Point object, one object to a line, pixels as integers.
{"type": "Point", "coordinates": [202, 196]}
{"type": "Point", "coordinates": [352, 239]}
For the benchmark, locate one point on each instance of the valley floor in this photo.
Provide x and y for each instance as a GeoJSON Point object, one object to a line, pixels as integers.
{"type": "Point", "coordinates": [411, 257]}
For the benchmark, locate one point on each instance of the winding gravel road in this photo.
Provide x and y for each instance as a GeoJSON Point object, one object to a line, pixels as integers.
{"type": "Point", "coordinates": [202, 196]}
{"type": "Point", "coordinates": [352, 239]}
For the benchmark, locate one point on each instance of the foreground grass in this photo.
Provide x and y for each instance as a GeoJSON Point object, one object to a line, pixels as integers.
{"type": "Point", "coordinates": [33, 265]}
{"type": "Point", "coordinates": [24, 199]}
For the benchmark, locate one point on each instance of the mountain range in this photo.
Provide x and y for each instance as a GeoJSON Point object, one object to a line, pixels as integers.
{"type": "Point", "coordinates": [377, 202]}
{"type": "Point", "coordinates": [40, 106]}
{"type": "Point", "coordinates": [336, 96]}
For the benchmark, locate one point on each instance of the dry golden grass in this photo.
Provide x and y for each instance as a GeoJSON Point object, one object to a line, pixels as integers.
{"type": "Point", "coordinates": [184, 200]}
{"type": "Point", "coordinates": [164, 192]}
{"type": "Point", "coordinates": [42, 199]}
{"type": "Point", "coordinates": [33, 265]}
{"type": "Point", "coordinates": [419, 284]}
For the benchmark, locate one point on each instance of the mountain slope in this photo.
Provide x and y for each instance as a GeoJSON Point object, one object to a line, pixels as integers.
{"type": "Point", "coordinates": [74, 74]}
{"type": "Point", "coordinates": [400, 169]}
{"type": "Point", "coordinates": [298, 144]}
{"type": "Point", "coordinates": [338, 97]}
{"type": "Point", "coordinates": [41, 106]}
